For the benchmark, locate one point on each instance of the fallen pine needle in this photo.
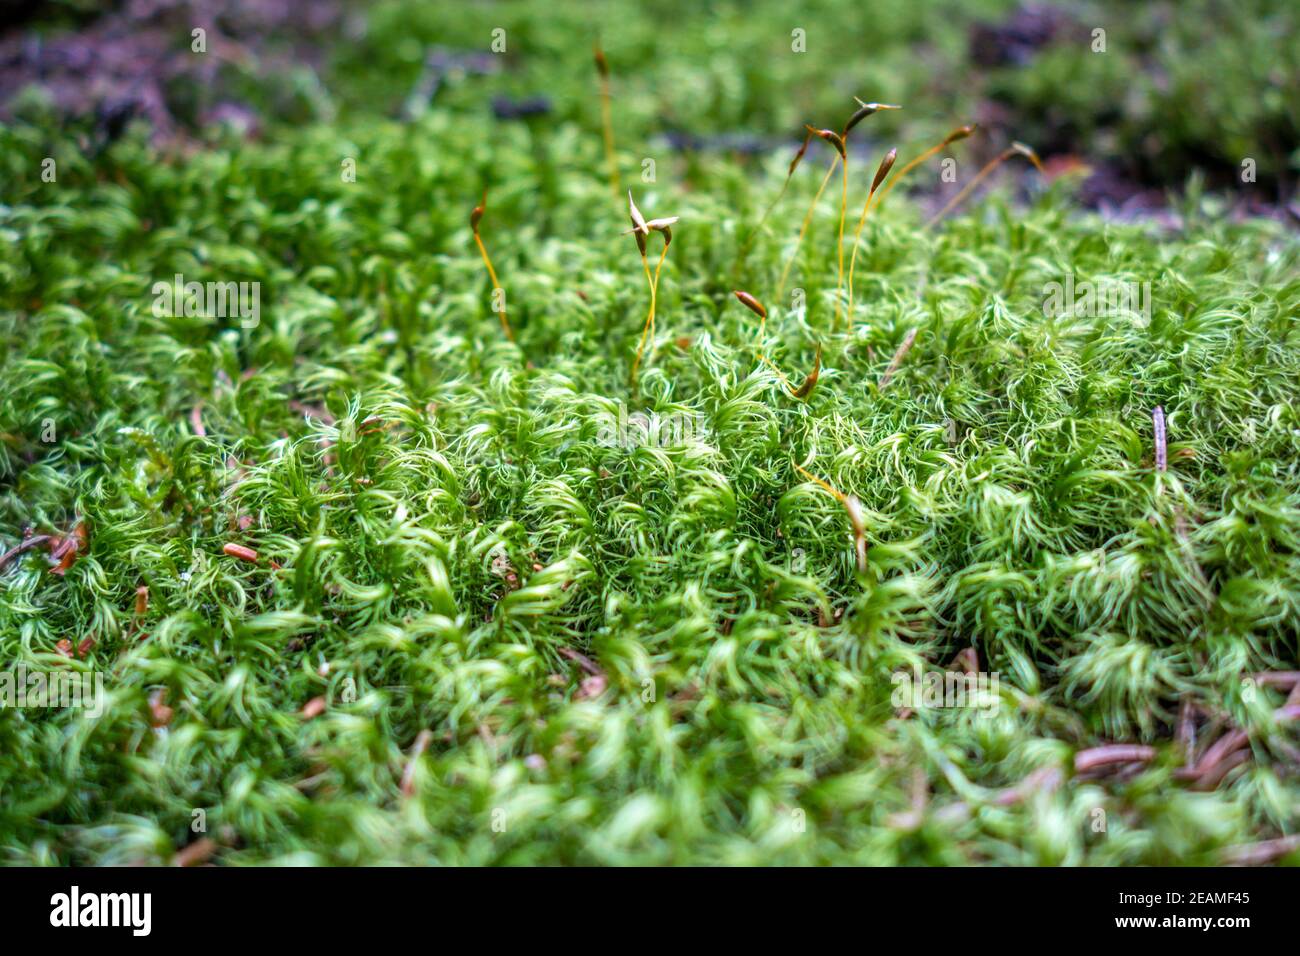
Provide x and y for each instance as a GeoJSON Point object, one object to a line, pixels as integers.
{"type": "Point", "coordinates": [897, 360]}
{"type": "Point", "coordinates": [26, 544]}
{"type": "Point", "coordinates": [239, 551]}
{"type": "Point", "coordinates": [1266, 851]}
{"type": "Point", "coordinates": [422, 741]}
{"type": "Point", "coordinates": [196, 854]}
{"type": "Point", "coordinates": [1110, 754]}
{"type": "Point", "coordinates": [1162, 447]}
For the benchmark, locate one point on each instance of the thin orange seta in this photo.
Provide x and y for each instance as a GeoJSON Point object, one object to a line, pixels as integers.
{"type": "Point", "coordinates": [641, 228]}
{"type": "Point", "coordinates": [475, 218]}
{"type": "Point", "coordinates": [882, 171]}
{"type": "Point", "coordinates": [607, 120]}
{"type": "Point", "coordinates": [854, 509]}
{"type": "Point", "coordinates": [1015, 149]}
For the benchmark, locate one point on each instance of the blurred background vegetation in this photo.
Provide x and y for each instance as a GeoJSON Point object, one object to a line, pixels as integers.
{"type": "Point", "coordinates": [1180, 90]}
